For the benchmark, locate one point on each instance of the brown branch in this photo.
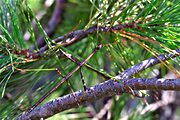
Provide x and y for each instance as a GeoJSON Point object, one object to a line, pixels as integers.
{"type": "Point", "coordinates": [109, 88]}
{"type": "Point", "coordinates": [77, 35]}
{"type": "Point", "coordinates": [64, 79]}
{"type": "Point", "coordinates": [105, 89]}
{"type": "Point", "coordinates": [75, 60]}
{"type": "Point", "coordinates": [146, 64]}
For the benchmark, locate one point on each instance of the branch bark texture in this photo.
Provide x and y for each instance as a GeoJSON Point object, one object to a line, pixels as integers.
{"type": "Point", "coordinates": [146, 64]}
{"type": "Point", "coordinates": [77, 35]}
{"type": "Point", "coordinates": [105, 89]}
{"type": "Point", "coordinates": [109, 88]}
{"type": "Point", "coordinates": [73, 37]}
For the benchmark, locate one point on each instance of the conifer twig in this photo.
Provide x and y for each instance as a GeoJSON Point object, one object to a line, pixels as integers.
{"type": "Point", "coordinates": [64, 79]}
{"type": "Point", "coordinates": [77, 35]}
{"type": "Point", "coordinates": [146, 64]}
{"type": "Point", "coordinates": [75, 60]}
{"type": "Point", "coordinates": [72, 37]}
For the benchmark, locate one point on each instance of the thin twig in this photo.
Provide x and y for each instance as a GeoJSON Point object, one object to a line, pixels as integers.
{"type": "Point", "coordinates": [65, 78]}
{"type": "Point", "coordinates": [82, 79]}
{"type": "Point", "coordinates": [69, 85]}
{"type": "Point", "coordinates": [75, 60]}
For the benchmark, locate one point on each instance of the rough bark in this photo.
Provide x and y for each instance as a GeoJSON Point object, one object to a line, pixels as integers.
{"type": "Point", "coordinates": [105, 89]}
{"type": "Point", "coordinates": [120, 84]}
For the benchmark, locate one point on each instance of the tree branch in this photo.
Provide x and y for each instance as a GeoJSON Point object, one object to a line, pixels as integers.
{"type": "Point", "coordinates": [77, 35]}
{"type": "Point", "coordinates": [65, 78]}
{"type": "Point", "coordinates": [75, 60]}
{"type": "Point", "coordinates": [146, 64]}
{"type": "Point", "coordinates": [105, 89]}
{"type": "Point", "coordinates": [108, 88]}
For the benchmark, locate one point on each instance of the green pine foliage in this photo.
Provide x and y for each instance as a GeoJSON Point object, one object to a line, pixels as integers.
{"type": "Point", "coordinates": [23, 81]}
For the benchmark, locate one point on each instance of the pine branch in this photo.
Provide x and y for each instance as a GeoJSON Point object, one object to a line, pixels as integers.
{"type": "Point", "coordinates": [77, 35]}
{"type": "Point", "coordinates": [75, 60]}
{"type": "Point", "coordinates": [70, 38]}
{"type": "Point", "coordinates": [157, 20]}
{"type": "Point", "coordinates": [108, 88]}
{"type": "Point", "coordinates": [105, 89]}
{"type": "Point", "coordinates": [146, 64]}
{"type": "Point", "coordinates": [65, 78]}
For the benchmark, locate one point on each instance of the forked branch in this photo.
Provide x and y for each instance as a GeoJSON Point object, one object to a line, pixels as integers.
{"type": "Point", "coordinates": [64, 79]}
{"type": "Point", "coordinates": [105, 89]}
{"type": "Point", "coordinates": [109, 88]}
